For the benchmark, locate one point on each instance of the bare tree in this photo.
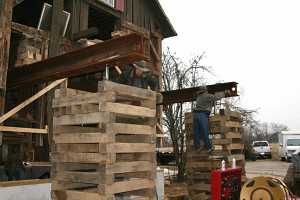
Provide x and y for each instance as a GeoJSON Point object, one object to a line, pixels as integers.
{"type": "Point", "coordinates": [179, 75]}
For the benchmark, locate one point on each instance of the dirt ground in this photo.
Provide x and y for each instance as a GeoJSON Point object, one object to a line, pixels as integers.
{"type": "Point", "coordinates": [277, 169]}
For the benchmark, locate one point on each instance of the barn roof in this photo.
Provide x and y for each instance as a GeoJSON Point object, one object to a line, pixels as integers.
{"type": "Point", "coordinates": [167, 27]}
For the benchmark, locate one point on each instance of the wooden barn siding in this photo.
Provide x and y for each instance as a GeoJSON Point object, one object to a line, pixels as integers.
{"type": "Point", "coordinates": [140, 13]}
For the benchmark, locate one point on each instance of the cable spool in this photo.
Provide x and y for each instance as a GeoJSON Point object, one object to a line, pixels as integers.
{"type": "Point", "coordinates": [265, 188]}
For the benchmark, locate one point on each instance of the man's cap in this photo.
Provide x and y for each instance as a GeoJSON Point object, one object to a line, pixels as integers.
{"type": "Point", "coordinates": [202, 89]}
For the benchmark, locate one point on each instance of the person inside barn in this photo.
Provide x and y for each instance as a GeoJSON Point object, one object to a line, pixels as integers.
{"type": "Point", "coordinates": [204, 103]}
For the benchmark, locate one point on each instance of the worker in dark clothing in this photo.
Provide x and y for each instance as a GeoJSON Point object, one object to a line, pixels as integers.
{"type": "Point", "coordinates": [201, 112]}
{"type": "Point", "coordinates": [14, 167]}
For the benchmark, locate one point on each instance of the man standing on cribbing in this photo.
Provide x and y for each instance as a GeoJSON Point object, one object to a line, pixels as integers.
{"type": "Point", "coordinates": [201, 112]}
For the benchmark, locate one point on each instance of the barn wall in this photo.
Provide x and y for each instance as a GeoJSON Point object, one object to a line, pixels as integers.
{"type": "Point", "coordinates": [141, 13]}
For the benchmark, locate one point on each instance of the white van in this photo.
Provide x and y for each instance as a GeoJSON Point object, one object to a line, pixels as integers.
{"type": "Point", "coordinates": [289, 142]}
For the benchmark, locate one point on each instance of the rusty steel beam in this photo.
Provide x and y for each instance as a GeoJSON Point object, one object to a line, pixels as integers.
{"type": "Point", "coordinates": [189, 94]}
{"type": "Point", "coordinates": [117, 51]}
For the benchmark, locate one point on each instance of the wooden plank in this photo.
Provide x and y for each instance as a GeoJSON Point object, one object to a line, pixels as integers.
{"type": "Point", "coordinates": [6, 8]}
{"type": "Point", "coordinates": [20, 28]}
{"type": "Point", "coordinates": [153, 49]}
{"type": "Point", "coordinates": [125, 109]}
{"type": "Point", "coordinates": [30, 100]}
{"type": "Point", "coordinates": [61, 185]}
{"type": "Point", "coordinates": [78, 148]}
{"type": "Point", "coordinates": [78, 157]}
{"type": "Point", "coordinates": [82, 138]}
{"type": "Point", "coordinates": [200, 187]}
{"type": "Point", "coordinates": [84, 16]}
{"type": "Point", "coordinates": [81, 98]}
{"type": "Point", "coordinates": [131, 148]}
{"type": "Point", "coordinates": [23, 130]}
{"type": "Point", "coordinates": [232, 135]}
{"type": "Point", "coordinates": [125, 186]}
{"type": "Point", "coordinates": [231, 124]}
{"type": "Point", "coordinates": [78, 177]}
{"type": "Point", "coordinates": [235, 146]}
{"type": "Point", "coordinates": [75, 167]}
{"type": "Point", "coordinates": [128, 10]}
{"type": "Point", "coordinates": [221, 141]}
{"type": "Point", "coordinates": [78, 119]}
{"type": "Point", "coordinates": [24, 182]}
{"type": "Point", "coordinates": [125, 167]}
{"type": "Point", "coordinates": [92, 98]}
{"type": "Point", "coordinates": [55, 32]}
{"type": "Point", "coordinates": [132, 129]}
{"type": "Point", "coordinates": [127, 91]}
{"type": "Point", "coordinates": [77, 195]}
{"type": "Point", "coordinates": [75, 129]}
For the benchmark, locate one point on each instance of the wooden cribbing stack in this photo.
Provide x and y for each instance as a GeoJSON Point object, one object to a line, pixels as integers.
{"type": "Point", "coordinates": [199, 165]}
{"type": "Point", "coordinates": [104, 143]}
{"type": "Point", "coordinates": [226, 140]}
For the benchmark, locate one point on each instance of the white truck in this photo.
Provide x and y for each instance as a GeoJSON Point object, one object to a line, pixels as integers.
{"type": "Point", "coordinates": [289, 142]}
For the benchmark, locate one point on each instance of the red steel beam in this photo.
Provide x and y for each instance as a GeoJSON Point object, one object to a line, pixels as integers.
{"type": "Point", "coordinates": [118, 51]}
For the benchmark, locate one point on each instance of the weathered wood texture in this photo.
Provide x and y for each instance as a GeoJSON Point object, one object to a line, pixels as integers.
{"type": "Point", "coordinates": [199, 165]}
{"type": "Point", "coordinates": [5, 34]}
{"type": "Point", "coordinates": [227, 144]}
{"type": "Point", "coordinates": [104, 143]}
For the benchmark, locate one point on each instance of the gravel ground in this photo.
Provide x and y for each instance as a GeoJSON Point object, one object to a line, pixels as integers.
{"type": "Point", "coordinates": [278, 169]}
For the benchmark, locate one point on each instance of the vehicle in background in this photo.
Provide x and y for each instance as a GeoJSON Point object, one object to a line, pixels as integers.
{"type": "Point", "coordinates": [289, 142]}
{"type": "Point", "coordinates": [262, 149]}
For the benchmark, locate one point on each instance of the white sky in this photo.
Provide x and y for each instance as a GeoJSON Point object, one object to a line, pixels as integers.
{"type": "Point", "coordinates": [253, 42]}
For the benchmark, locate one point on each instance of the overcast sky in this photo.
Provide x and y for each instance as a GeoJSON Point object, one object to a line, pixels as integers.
{"type": "Point", "coordinates": [253, 42]}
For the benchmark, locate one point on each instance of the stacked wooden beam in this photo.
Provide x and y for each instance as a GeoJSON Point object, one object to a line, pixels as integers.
{"type": "Point", "coordinates": [104, 143]}
{"type": "Point", "coordinates": [29, 51]}
{"type": "Point", "coordinates": [225, 131]}
{"type": "Point", "coordinates": [199, 165]}
{"type": "Point", "coordinates": [227, 139]}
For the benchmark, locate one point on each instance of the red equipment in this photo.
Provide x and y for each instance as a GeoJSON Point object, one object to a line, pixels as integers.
{"type": "Point", "coordinates": [226, 184]}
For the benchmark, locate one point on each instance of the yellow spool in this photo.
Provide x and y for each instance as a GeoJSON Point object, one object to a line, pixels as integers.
{"type": "Point", "coordinates": [264, 188]}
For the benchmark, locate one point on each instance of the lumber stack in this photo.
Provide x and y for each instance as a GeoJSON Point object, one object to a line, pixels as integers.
{"type": "Point", "coordinates": [225, 129]}
{"type": "Point", "coordinates": [104, 143]}
{"type": "Point", "coordinates": [29, 51]}
{"type": "Point", "coordinates": [199, 165]}
{"type": "Point", "coordinates": [225, 134]}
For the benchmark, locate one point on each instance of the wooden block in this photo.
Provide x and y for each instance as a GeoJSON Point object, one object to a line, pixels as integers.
{"type": "Point", "coordinates": [200, 187]}
{"type": "Point", "coordinates": [75, 167]}
{"type": "Point", "coordinates": [125, 167]}
{"type": "Point", "coordinates": [119, 108]}
{"type": "Point", "coordinates": [235, 146]}
{"type": "Point", "coordinates": [79, 148]}
{"type": "Point", "coordinates": [78, 177]}
{"type": "Point", "coordinates": [65, 129]}
{"type": "Point", "coordinates": [232, 135]}
{"type": "Point", "coordinates": [82, 138]}
{"type": "Point", "coordinates": [78, 157]}
{"type": "Point", "coordinates": [231, 124]}
{"type": "Point", "coordinates": [61, 185]}
{"type": "Point", "coordinates": [79, 119]}
{"type": "Point", "coordinates": [132, 129]}
{"type": "Point", "coordinates": [127, 91]}
{"type": "Point", "coordinates": [77, 195]}
{"type": "Point", "coordinates": [90, 98]}
{"type": "Point", "coordinates": [221, 141]}
{"type": "Point", "coordinates": [131, 148]}
{"type": "Point", "coordinates": [131, 185]}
